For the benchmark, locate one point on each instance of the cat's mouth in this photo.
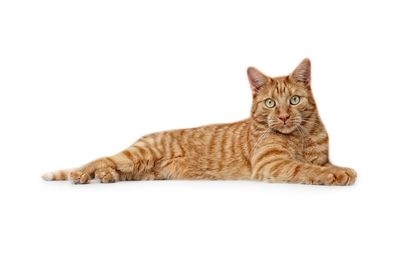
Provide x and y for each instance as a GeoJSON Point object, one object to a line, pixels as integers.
{"type": "Point", "coordinates": [285, 128]}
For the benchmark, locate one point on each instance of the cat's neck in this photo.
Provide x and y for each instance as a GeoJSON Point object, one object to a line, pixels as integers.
{"type": "Point", "coordinates": [308, 127]}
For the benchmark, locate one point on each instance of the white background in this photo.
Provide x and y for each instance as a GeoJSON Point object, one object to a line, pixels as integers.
{"type": "Point", "coordinates": [84, 79]}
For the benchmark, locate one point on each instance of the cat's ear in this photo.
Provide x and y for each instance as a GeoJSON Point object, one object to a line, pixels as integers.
{"type": "Point", "coordinates": [302, 73]}
{"type": "Point", "coordinates": [256, 78]}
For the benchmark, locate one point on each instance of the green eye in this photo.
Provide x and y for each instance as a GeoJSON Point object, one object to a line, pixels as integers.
{"type": "Point", "coordinates": [270, 103]}
{"type": "Point", "coordinates": [295, 100]}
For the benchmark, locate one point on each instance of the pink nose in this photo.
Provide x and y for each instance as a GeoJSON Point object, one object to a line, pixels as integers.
{"type": "Point", "coordinates": [284, 117]}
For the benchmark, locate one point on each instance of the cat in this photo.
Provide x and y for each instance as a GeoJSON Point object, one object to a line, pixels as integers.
{"type": "Point", "coordinates": [283, 141]}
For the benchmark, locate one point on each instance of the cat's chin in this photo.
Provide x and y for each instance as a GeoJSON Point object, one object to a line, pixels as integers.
{"type": "Point", "coordinates": [285, 129]}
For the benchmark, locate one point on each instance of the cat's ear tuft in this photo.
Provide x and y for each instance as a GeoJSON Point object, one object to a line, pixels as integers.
{"type": "Point", "coordinates": [302, 73]}
{"type": "Point", "coordinates": [256, 78]}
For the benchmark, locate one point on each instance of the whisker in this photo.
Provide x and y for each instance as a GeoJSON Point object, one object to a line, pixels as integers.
{"type": "Point", "coordinates": [261, 138]}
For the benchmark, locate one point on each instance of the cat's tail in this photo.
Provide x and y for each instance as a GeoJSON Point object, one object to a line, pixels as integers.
{"type": "Point", "coordinates": [60, 175]}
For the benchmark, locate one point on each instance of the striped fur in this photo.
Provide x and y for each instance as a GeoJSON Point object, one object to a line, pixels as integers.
{"type": "Point", "coordinates": [284, 143]}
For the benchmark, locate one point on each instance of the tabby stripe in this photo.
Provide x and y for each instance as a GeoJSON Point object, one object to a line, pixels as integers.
{"type": "Point", "coordinates": [221, 160]}
{"type": "Point", "coordinates": [198, 148]}
{"type": "Point", "coordinates": [270, 153]}
{"type": "Point", "coordinates": [211, 143]}
{"type": "Point", "coordinates": [210, 148]}
{"type": "Point", "coordinates": [141, 151]}
{"type": "Point", "coordinates": [312, 123]}
{"type": "Point", "coordinates": [151, 152]}
{"type": "Point", "coordinates": [318, 150]}
{"type": "Point", "coordinates": [244, 147]}
{"type": "Point", "coordinates": [128, 154]}
{"type": "Point", "coordinates": [190, 138]}
{"type": "Point", "coordinates": [218, 152]}
{"type": "Point", "coordinates": [278, 167]}
{"type": "Point", "coordinates": [237, 136]}
{"type": "Point", "coordinates": [258, 127]}
{"type": "Point", "coordinates": [235, 139]}
{"type": "Point", "coordinates": [323, 141]}
{"type": "Point", "coordinates": [312, 109]}
{"type": "Point", "coordinates": [162, 143]}
{"type": "Point", "coordinates": [296, 170]}
{"type": "Point", "coordinates": [111, 161]}
{"type": "Point", "coordinates": [171, 146]}
{"type": "Point", "coordinates": [226, 143]}
{"type": "Point", "coordinates": [180, 140]}
{"type": "Point", "coordinates": [249, 141]}
{"type": "Point", "coordinates": [260, 165]}
{"type": "Point", "coordinates": [184, 141]}
{"type": "Point", "coordinates": [244, 154]}
{"type": "Point", "coordinates": [260, 120]}
{"type": "Point", "coordinates": [153, 148]}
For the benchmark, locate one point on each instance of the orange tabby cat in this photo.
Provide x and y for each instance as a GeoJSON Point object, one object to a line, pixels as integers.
{"type": "Point", "coordinates": [284, 140]}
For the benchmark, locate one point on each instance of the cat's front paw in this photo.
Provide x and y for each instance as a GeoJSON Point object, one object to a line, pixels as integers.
{"type": "Point", "coordinates": [341, 176]}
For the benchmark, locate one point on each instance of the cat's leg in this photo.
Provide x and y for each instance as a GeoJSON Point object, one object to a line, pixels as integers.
{"type": "Point", "coordinates": [276, 165]}
{"type": "Point", "coordinates": [292, 171]}
{"type": "Point", "coordinates": [102, 168]}
{"type": "Point", "coordinates": [126, 165]}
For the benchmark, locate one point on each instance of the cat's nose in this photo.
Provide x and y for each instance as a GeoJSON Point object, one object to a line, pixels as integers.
{"type": "Point", "coordinates": [284, 117]}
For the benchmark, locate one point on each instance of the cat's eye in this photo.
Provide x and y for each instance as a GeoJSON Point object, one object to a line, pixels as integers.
{"type": "Point", "coordinates": [294, 100]}
{"type": "Point", "coordinates": [270, 103]}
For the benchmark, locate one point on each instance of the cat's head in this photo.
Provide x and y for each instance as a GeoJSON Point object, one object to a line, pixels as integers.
{"type": "Point", "coordinates": [284, 103]}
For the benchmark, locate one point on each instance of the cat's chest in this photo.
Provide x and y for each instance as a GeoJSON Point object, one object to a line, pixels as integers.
{"type": "Point", "coordinates": [307, 149]}
{"type": "Point", "coordinates": [298, 147]}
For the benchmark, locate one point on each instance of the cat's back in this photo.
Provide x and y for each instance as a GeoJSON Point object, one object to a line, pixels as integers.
{"type": "Point", "coordinates": [217, 150]}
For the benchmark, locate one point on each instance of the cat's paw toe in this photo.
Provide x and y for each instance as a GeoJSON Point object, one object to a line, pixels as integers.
{"type": "Point", "coordinates": [79, 177]}
{"type": "Point", "coordinates": [106, 175]}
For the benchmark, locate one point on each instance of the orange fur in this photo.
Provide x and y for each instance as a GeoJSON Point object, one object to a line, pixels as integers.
{"type": "Point", "coordinates": [284, 140]}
